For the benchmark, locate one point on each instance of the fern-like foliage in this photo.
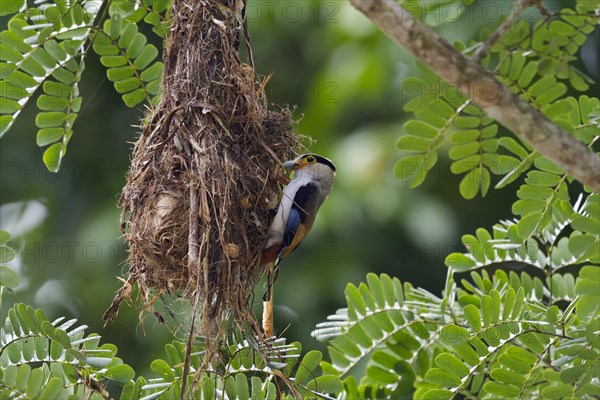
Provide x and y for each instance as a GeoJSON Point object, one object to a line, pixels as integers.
{"type": "Point", "coordinates": [499, 334]}
{"type": "Point", "coordinates": [524, 324]}
{"type": "Point", "coordinates": [40, 359]}
{"type": "Point", "coordinates": [512, 345]}
{"type": "Point", "coordinates": [495, 338]}
{"type": "Point", "coordinates": [535, 62]}
{"type": "Point", "coordinates": [571, 238]}
{"type": "Point", "coordinates": [43, 52]}
{"type": "Point", "coordinates": [248, 372]}
{"type": "Point", "coordinates": [8, 279]}
{"type": "Point", "coordinates": [392, 326]}
{"type": "Point", "coordinates": [126, 54]}
{"type": "Point", "coordinates": [553, 41]}
{"type": "Point", "coordinates": [45, 46]}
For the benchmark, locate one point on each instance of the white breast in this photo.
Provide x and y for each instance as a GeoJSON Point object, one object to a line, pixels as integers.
{"type": "Point", "coordinates": [277, 228]}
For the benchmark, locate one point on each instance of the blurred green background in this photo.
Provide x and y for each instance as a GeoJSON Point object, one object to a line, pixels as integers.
{"type": "Point", "coordinates": [343, 78]}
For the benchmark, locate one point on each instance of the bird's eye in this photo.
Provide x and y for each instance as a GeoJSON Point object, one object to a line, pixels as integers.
{"type": "Point", "coordinates": [310, 159]}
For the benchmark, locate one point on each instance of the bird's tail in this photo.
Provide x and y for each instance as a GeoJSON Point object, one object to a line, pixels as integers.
{"type": "Point", "coordinates": [267, 317]}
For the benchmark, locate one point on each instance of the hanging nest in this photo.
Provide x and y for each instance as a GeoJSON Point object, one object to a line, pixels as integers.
{"type": "Point", "coordinates": [204, 175]}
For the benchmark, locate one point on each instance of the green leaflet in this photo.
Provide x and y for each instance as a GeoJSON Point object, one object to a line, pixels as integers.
{"type": "Point", "coordinates": [587, 288]}
{"type": "Point", "coordinates": [163, 368]}
{"type": "Point", "coordinates": [8, 278]}
{"type": "Point", "coordinates": [10, 7]}
{"type": "Point", "coordinates": [120, 373]}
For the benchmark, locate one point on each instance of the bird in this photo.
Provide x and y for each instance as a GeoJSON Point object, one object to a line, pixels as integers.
{"type": "Point", "coordinates": [302, 197]}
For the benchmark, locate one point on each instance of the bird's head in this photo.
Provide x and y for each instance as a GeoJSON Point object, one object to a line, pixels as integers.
{"type": "Point", "coordinates": [313, 165]}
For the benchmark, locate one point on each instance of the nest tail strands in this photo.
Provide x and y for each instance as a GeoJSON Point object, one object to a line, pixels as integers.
{"type": "Point", "coordinates": [202, 181]}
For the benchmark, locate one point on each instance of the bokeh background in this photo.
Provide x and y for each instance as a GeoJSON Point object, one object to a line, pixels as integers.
{"type": "Point", "coordinates": [342, 78]}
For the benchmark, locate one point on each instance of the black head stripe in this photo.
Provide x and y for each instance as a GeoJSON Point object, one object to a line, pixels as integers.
{"type": "Point", "coordinates": [322, 160]}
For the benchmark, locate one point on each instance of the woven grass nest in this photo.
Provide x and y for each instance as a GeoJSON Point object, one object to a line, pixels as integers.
{"type": "Point", "coordinates": [204, 174]}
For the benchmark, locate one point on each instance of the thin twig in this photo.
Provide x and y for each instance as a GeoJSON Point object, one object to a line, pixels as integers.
{"type": "Point", "coordinates": [193, 230]}
{"type": "Point", "coordinates": [188, 352]}
{"type": "Point", "coordinates": [247, 35]}
{"type": "Point", "coordinates": [519, 6]}
{"type": "Point", "coordinates": [541, 9]}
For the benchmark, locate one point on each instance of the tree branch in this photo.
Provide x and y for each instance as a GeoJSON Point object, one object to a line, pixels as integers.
{"type": "Point", "coordinates": [484, 89]}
